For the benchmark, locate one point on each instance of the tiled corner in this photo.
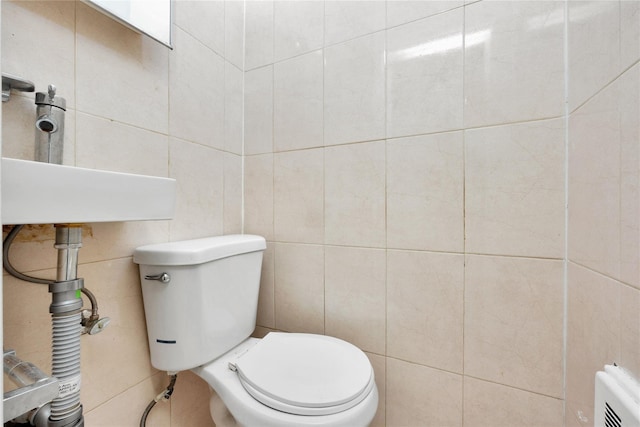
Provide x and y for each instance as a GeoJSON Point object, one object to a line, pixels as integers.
{"type": "Point", "coordinates": [297, 102]}
{"type": "Point", "coordinates": [355, 194]}
{"type": "Point", "coordinates": [425, 294]}
{"type": "Point", "coordinates": [234, 38]}
{"type": "Point", "coordinates": [514, 188]}
{"type": "Point", "coordinates": [513, 322]}
{"type": "Point", "coordinates": [299, 288]}
{"type": "Point", "coordinates": [422, 396]}
{"type": "Point", "coordinates": [424, 75]}
{"type": "Point", "coordinates": [196, 104]}
{"type": "Point", "coordinates": [504, 82]}
{"type": "Point", "coordinates": [425, 192]}
{"type": "Point", "coordinates": [496, 405]}
{"type": "Point", "coordinates": [355, 281]}
{"type": "Point", "coordinates": [354, 87]}
{"type": "Point", "coordinates": [298, 201]}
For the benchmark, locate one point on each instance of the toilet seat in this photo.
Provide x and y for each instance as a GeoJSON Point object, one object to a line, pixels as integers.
{"type": "Point", "coordinates": [305, 374]}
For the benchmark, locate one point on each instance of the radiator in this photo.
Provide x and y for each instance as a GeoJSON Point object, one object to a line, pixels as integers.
{"type": "Point", "coordinates": [617, 399]}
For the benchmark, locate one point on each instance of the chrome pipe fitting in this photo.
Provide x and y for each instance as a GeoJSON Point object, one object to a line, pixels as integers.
{"type": "Point", "coordinates": [49, 126]}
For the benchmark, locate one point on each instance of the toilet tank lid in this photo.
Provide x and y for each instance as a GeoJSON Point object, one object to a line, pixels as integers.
{"type": "Point", "coordinates": [198, 251]}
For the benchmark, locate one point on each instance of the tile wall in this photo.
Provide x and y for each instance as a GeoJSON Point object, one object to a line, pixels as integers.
{"type": "Point", "coordinates": [133, 106]}
{"type": "Point", "coordinates": [604, 205]}
{"type": "Point", "coordinates": [407, 163]}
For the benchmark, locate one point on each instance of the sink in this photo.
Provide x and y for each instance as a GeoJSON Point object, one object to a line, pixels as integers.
{"type": "Point", "coordinates": [43, 193]}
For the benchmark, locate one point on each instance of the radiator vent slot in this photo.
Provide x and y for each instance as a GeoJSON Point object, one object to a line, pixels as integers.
{"type": "Point", "coordinates": [611, 419]}
{"type": "Point", "coordinates": [617, 399]}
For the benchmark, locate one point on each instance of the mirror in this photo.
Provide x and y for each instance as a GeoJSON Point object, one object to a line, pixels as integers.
{"type": "Point", "coordinates": [150, 17]}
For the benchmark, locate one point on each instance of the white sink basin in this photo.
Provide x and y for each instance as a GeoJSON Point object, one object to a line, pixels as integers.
{"type": "Point", "coordinates": [42, 193]}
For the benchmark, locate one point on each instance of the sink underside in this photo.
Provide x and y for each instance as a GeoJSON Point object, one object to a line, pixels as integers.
{"type": "Point", "coordinates": [42, 193]}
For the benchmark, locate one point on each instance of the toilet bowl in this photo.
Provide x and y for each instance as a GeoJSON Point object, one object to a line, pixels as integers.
{"type": "Point", "coordinates": [230, 394]}
{"type": "Point", "coordinates": [200, 298]}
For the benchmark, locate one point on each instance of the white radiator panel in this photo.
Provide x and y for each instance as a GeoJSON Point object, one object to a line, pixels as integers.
{"type": "Point", "coordinates": [617, 399]}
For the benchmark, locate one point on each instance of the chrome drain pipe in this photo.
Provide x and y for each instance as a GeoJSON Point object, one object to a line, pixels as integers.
{"type": "Point", "coordinates": [66, 314]}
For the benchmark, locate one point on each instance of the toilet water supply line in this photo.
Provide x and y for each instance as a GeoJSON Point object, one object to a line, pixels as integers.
{"type": "Point", "coordinates": [68, 323]}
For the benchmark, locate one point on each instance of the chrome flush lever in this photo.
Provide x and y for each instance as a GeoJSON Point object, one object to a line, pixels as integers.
{"type": "Point", "coordinates": [162, 277]}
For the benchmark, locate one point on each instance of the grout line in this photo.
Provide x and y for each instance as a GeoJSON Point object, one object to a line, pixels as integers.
{"type": "Point", "coordinates": [565, 275]}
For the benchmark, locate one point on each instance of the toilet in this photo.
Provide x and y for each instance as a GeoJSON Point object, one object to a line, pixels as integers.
{"type": "Point", "coordinates": [200, 301]}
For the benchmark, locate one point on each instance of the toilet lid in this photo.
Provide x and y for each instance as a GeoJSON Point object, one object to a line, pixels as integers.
{"type": "Point", "coordinates": [306, 374]}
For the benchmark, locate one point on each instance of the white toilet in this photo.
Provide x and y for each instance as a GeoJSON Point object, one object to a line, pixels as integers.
{"type": "Point", "coordinates": [200, 300]}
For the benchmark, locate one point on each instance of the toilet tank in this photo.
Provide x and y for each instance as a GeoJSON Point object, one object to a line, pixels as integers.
{"type": "Point", "coordinates": [209, 304]}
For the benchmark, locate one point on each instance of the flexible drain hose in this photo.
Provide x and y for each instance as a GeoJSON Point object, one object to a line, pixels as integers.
{"type": "Point", "coordinates": [66, 364]}
{"type": "Point", "coordinates": [164, 396]}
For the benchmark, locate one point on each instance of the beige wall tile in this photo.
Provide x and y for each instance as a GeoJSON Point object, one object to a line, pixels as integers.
{"type": "Point", "coordinates": [196, 104]}
{"type": "Point", "coordinates": [630, 330]}
{"type": "Point", "coordinates": [424, 64]}
{"type": "Point", "coordinates": [298, 28]}
{"type": "Point", "coordinates": [344, 20]}
{"type": "Point", "coordinates": [190, 402]}
{"type": "Point", "coordinates": [258, 111]}
{"type": "Point", "coordinates": [379, 364]}
{"type": "Point", "coordinates": [355, 296]}
{"type": "Point", "coordinates": [514, 189]}
{"type": "Point", "coordinates": [425, 308]}
{"type": "Point", "coordinates": [266, 298]}
{"type": "Point", "coordinates": [629, 33]}
{"type": "Point", "coordinates": [38, 44]}
{"type": "Point", "coordinates": [513, 322]}
{"type": "Point", "coordinates": [502, 81]}
{"type": "Point", "coordinates": [232, 194]}
{"type": "Point", "coordinates": [234, 20]}
{"type": "Point", "coordinates": [297, 102]}
{"type": "Point", "coordinates": [355, 194]}
{"type": "Point", "coordinates": [299, 196]}
{"type": "Point", "coordinates": [421, 396]}
{"type": "Point", "coordinates": [233, 108]}
{"type": "Point", "coordinates": [134, 87]}
{"type": "Point", "coordinates": [258, 195]}
{"type": "Point", "coordinates": [425, 192]}
{"type": "Point", "coordinates": [126, 409]}
{"type": "Point", "coordinates": [199, 174]}
{"type": "Point", "coordinates": [108, 145]}
{"type": "Point", "coordinates": [299, 288]}
{"type": "Point", "coordinates": [594, 184]}
{"type": "Point", "coordinates": [258, 33]}
{"type": "Point", "coordinates": [593, 333]}
{"type": "Point", "coordinates": [354, 86]}
{"type": "Point", "coordinates": [401, 12]}
{"type": "Point", "coordinates": [594, 47]}
{"type": "Point", "coordinates": [488, 404]}
{"type": "Point", "coordinates": [204, 21]}
{"type": "Point", "coordinates": [118, 357]}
